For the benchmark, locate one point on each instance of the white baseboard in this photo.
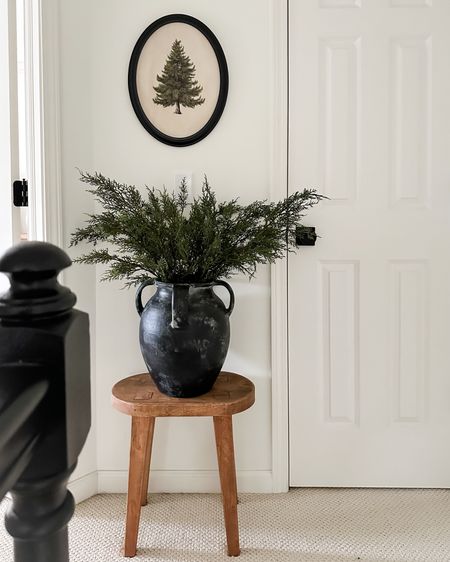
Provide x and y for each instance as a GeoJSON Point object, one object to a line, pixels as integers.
{"type": "Point", "coordinates": [84, 487]}
{"type": "Point", "coordinates": [194, 481]}
{"type": "Point", "coordinates": [170, 481]}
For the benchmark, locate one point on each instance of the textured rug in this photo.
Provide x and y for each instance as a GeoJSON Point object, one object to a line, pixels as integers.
{"type": "Point", "coordinates": [305, 525]}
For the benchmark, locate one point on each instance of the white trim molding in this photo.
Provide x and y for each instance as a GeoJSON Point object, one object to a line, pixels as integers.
{"type": "Point", "coordinates": [84, 487]}
{"type": "Point", "coordinates": [43, 119]}
{"type": "Point", "coordinates": [168, 481]}
{"type": "Point", "coordinates": [9, 164]}
{"type": "Point", "coordinates": [279, 277]}
{"type": "Point", "coordinates": [186, 481]}
{"type": "Point", "coordinates": [53, 228]}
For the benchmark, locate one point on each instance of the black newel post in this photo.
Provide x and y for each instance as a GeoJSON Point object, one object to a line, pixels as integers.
{"type": "Point", "coordinates": [45, 412]}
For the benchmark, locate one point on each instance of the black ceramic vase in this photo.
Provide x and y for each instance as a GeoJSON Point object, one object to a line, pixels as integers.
{"type": "Point", "coordinates": [184, 335]}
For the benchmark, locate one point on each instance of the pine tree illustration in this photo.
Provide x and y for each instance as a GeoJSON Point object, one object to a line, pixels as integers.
{"type": "Point", "coordinates": [176, 84]}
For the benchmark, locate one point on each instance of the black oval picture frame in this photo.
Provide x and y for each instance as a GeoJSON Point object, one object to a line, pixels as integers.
{"type": "Point", "coordinates": [166, 97]}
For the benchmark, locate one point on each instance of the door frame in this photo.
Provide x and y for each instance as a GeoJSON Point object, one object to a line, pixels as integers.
{"type": "Point", "coordinates": [9, 141]}
{"type": "Point", "coordinates": [279, 278]}
{"type": "Point", "coordinates": [42, 84]}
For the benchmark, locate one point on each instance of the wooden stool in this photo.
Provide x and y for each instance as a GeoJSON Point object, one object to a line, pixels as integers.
{"type": "Point", "coordinates": [138, 397]}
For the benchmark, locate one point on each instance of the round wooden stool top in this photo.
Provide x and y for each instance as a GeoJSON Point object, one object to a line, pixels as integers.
{"type": "Point", "coordinates": [138, 396]}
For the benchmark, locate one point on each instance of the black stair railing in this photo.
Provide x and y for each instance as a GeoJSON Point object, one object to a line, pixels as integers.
{"type": "Point", "coordinates": [45, 407]}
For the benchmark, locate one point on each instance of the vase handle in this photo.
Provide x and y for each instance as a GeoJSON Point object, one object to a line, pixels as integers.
{"type": "Point", "coordinates": [230, 290]}
{"type": "Point", "coordinates": [138, 299]}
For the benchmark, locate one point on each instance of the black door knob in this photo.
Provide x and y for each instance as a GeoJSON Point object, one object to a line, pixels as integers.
{"type": "Point", "coordinates": [306, 236]}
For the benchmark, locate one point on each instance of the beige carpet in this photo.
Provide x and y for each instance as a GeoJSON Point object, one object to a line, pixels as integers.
{"type": "Point", "coordinates": [310, 525]}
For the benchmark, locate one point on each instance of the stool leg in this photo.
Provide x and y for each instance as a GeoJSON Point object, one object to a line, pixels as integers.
{"type": "Point", "coordinates": [223, 429]}
{"type": "Point", "coordinates": [140, 427]}
{"type": "Point", "coordinates": [148, 456]}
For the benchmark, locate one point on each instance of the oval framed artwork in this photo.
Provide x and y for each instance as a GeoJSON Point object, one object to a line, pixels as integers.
{"type": "Point", "coordinates": [178, 80]}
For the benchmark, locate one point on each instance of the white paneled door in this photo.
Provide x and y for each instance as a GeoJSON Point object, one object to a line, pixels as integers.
{"type": "Point", "coordinates": [369, 305]}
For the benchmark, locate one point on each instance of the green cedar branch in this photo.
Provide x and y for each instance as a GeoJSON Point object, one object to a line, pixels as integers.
{"type": "Point", "coordinates": [163, 236]}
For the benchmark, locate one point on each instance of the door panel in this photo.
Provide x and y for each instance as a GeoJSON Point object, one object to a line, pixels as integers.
{"type": "Point", "coordinates": [369, 305]}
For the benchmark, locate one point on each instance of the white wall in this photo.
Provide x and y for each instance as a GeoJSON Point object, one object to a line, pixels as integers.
{"type": "Point", "coordinates": [101, 132]}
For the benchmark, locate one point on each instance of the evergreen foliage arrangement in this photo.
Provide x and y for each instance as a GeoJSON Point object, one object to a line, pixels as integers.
{"type": "Point", "coordinates": [163, 236]}
{"type": "Point", "coordinates": [177, 85]}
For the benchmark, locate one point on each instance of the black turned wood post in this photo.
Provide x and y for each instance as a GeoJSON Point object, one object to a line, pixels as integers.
{"type": "Point", "coordinates": [45, 410]}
